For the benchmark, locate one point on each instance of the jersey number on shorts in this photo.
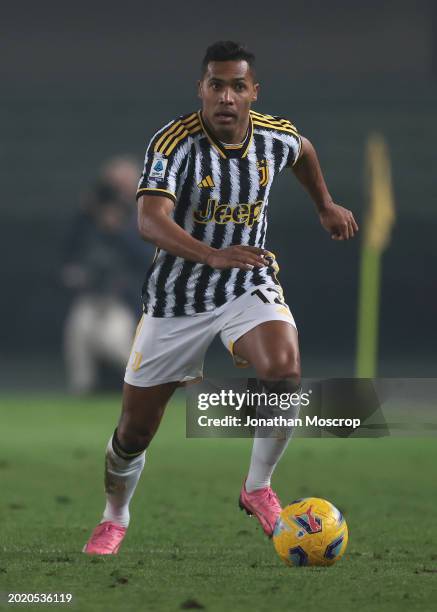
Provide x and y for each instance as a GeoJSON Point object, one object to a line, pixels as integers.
{"type": "Point", "coordinates": [264, 298]}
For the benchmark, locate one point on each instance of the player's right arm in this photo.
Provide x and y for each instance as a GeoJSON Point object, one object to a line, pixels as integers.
{"type": "Point", "coordinates": [156, 225]}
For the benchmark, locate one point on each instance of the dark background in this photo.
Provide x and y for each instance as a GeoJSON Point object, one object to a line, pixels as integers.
{"type": "Point", "coordinates": [83, 82]}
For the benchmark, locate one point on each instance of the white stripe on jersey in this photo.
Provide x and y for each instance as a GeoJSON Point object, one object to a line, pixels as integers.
{"type": "Point", "coordinates": [189, 220]}
{"type": "Point", "coordinates": [210, 227]}
{"type": "Point", "coordinates": [229, 228]}
{"type": "Point", "coordinates": [234, 199]}
{"type": "Point", "coordinates": [253, 196]}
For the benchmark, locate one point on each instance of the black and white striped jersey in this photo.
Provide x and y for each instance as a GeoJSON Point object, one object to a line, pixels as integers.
{"type": "Point", "coordinates": [221, 195]}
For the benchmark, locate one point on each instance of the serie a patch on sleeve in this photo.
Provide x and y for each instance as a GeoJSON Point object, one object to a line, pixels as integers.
{"type": "Point", "coordinates": [159, 166]}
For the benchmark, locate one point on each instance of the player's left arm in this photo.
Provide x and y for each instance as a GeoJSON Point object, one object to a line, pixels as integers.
{"type": "Point", "coordinates": [336, 220]}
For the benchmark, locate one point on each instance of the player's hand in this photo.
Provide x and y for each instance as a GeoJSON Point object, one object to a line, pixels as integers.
{"type": "Point", "coordinates": [339, 222]}
{"type": "Point", "coordinates": [239, 256]}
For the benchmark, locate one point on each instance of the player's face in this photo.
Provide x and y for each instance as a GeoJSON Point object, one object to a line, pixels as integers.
{"type": "Point", "coordinates": [227, 91]}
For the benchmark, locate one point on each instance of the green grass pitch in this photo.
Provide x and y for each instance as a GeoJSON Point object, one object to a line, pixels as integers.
{"type": "Point", "coordinates": [188, 545]}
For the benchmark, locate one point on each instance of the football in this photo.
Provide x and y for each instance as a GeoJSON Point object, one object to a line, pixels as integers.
{"type": "Point", "coordinates": [310, 531]}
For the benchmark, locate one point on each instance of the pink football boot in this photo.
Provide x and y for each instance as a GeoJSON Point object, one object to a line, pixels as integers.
{"type": "Point", "coordinates": [106, 539]}
{"type": "Point", "coordinates": [262, 503]}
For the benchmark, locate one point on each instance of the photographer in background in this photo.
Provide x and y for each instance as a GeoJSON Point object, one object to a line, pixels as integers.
{"type": "Point", "coordinates": [104, 259]}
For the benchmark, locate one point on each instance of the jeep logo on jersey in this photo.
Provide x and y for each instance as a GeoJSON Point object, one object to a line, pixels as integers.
{"type": "Point", "coordinates": [214, 212]}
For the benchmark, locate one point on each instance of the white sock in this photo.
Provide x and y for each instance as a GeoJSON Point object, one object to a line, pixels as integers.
{"type": "Point", "coordinates": [266, 453]}
{"type": "Point", "coordinates": [121, 478]}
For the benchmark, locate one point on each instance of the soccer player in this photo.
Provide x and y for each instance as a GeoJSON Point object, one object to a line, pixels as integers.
{"type": "Point", "coordinates": [203, 200]}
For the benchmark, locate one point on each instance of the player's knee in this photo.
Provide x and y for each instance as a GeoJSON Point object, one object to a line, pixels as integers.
{"type": "Point", "coordinates": [281, 367]}
{"type": "Point", "coordinates": [134, 441]}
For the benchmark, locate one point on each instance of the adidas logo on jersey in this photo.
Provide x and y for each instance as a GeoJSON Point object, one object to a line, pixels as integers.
{"type": "Point", "coordinates": [206, 182]}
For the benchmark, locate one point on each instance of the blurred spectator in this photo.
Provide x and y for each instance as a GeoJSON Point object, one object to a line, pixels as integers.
{"type": "Point", "coordinates": [122, 173]}
{"type": "Point", "coordinates": [104, 263]}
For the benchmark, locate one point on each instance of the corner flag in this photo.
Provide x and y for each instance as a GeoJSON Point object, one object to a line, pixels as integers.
{"type": "Point", "coordinates": [380, 217]}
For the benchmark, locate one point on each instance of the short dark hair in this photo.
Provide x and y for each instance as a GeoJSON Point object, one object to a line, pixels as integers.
{"type": "Point", "coordinates": [226, 51]}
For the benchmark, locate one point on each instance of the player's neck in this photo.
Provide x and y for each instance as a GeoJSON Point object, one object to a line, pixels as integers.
{"type": "Point", "coordinates": [229, 136]}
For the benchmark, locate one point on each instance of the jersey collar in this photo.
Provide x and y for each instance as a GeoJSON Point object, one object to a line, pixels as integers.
{"type": "Point", "coordinates": [229, 151]}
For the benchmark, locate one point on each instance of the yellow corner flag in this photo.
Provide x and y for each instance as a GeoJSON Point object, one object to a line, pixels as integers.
{"type": "Point", "coordinates": [380, 216]}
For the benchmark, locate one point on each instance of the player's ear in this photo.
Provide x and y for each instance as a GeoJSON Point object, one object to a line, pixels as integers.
{"type": "Point", "coordinates": [255, 92]}
{"type": "Point", "coordinates": [199, 89]}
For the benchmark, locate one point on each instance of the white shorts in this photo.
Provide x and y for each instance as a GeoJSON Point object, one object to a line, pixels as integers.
{"type": "Point", "coordinates": [172, 349]}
